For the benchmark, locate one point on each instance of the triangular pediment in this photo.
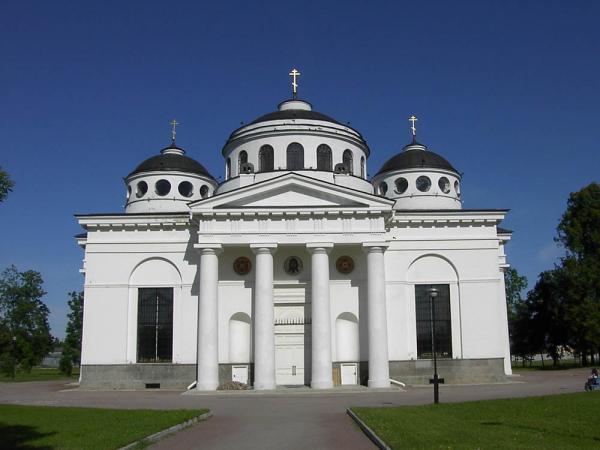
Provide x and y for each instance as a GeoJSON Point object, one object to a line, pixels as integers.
{"type": "Point", "coordinates": [292, 191]}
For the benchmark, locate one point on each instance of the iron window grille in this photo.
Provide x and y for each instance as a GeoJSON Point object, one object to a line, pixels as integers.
{"type": "Point", "coordinates": [155, 325]}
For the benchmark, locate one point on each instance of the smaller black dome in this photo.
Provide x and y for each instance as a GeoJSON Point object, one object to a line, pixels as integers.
{"type": "Point", "coordinates": [171, 161]}
{"type": "Point", "coordinates": [416, 158]}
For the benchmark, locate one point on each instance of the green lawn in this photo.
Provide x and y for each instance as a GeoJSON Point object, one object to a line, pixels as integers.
{"type": "Point", "coordinates": [563, 364]}
{"type": "Point", "coordinates": [46, 427]}
{"type": "Point", "coordinates": [40, 374]}
{"type": "Point", "coordinates": [552, 422]}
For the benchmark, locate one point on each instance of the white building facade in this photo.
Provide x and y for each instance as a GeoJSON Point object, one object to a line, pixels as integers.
{"type": "Point", "coordinates": [295, 270]}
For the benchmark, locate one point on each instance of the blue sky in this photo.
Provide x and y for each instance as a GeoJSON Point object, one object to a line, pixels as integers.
{"type": "Point", "coordinates": [508, 92]}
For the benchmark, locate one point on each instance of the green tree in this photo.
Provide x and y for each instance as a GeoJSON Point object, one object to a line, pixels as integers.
{"type": "Point", "coordinates": [71, 348]}
{"type": "Point", "coordinates": [6, 185]}
{"type": "Point", "coordinates": [514, 285]}
{"type": "Point", "coordinates": [579, 233]}
{"type": "Point", "coordinates": [23, 320]}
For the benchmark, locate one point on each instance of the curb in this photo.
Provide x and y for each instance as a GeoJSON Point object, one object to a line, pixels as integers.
{"type": "Point", "coordinates": [157, 436]}
{"type": "Point", "coordinates": [370, 433]}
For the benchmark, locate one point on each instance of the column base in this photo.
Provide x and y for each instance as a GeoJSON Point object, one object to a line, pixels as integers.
{"type": "Point", "coordinates": [207, 386]}
{"type": "Point", "coordinates": [264, 386]}
{"type": "Point", "coordinates": [379, 383]}
{"type": "Point", "coordinates": [327, 384]}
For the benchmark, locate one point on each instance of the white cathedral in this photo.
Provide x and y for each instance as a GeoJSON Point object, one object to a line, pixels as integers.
{"type": "Point", "coordinates": [296, 269]}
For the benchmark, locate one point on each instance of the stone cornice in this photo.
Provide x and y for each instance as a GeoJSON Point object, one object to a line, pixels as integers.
{"type": "Point", "coordinates": [457, 218]}
{"type": "Point", "coordinates": [133, 222]}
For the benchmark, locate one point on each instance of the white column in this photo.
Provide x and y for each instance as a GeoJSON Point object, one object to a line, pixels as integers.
{"type": "Point", "coordinates": [264, 318]}
{"type": "Point", "coordinates": [208, 355]}
{"type": "Point", "coordinates": [321, 376]}
{"type": "Point", "coordinates": [379, 370]}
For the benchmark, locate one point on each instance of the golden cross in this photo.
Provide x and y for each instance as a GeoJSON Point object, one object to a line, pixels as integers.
{"type": "Point", "coordinates": [294, 74]}
{"type": "Point", "coordinates": [413, 119]}
{"type": "Point", "coordinates": [174, 124]}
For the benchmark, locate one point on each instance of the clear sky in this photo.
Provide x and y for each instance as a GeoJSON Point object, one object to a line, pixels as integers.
{"type": "Point", "coordinates": [508, 92]}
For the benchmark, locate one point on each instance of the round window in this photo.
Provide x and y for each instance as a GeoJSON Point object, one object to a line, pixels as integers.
{"type": "Point", "coordinates": [423, 183]}
{"type": "Point", "coordinates": [457, 188]}
{"type": "Point", "coordinates": [186, 188]}
{"type": "Point", "coordinates": [128, 192]}
{"type": "Point", "coordinates": [444, 184]}
{"type": "Point", "coordinates": [162, 187]}
{"type": "Point", "coordinates": [204, 191]}
{"type": "Point", "coordinates": [383, 187]}
{"type": "Point", "coordinates": [141, 189]}
{"type": "Point", "coordinates": [401, 185]}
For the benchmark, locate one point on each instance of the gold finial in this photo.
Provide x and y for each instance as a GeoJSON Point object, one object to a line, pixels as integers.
{"type": "Point", "coordinates": [294, 74]}
{"type": "Point", "coordinates": [174, 124]}
{"type": "Point", "coordinates": [413, 119]}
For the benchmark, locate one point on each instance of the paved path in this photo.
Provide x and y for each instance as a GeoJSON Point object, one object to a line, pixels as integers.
{"type": "Point", "coordinates": [286, 420]}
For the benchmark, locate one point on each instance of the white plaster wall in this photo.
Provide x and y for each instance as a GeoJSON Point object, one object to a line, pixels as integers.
{"type": "Point", "coordinates": [412, 198]}
{"type": "Point", "coordinates": [173, 201]}
{"type": "Point", "coordinates": [110, 316]}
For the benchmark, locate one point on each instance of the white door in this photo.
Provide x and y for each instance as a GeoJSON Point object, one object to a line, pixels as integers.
{"type": "Point", "coordinates": [289, 359]}
{"type": "Point", "coordinates": [349, 373]}
{"type": "Point", "coordinates": [240, 374]}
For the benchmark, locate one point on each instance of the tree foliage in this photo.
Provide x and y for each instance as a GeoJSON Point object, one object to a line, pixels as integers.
{"type": "Point", "coordinates": [514, 285]}
{"type": "Point", "coordinates": [6, 185]}
{"type": "Point", "coordinates": [24, 331]}
{"type": "Point", "coordinates": [71, 349]}
{"type": "Point", "coordinates": [563, 309]}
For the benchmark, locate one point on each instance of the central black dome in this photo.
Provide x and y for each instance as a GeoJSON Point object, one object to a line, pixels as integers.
{"type": "Point", "coordinates": [294, 114]}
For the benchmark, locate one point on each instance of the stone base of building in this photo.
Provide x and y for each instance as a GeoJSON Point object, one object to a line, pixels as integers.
{"type": "Point", "coordinates": [454, 371]}
{"type": "Point", "coordinates": [180, 376]}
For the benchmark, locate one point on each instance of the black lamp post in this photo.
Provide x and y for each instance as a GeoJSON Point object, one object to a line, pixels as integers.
{"type": "Point", "coordinates": [436, 381]}
{"type": "Point", "coordinates": [14, 356]}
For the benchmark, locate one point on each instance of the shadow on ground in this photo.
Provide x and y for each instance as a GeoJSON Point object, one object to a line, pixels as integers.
{"type": "Point", "coordinates": [19, 437]}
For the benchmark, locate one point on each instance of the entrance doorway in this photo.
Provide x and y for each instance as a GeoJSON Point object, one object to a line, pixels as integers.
{"type": "Point", "coordinates": [349, 373]}
{"type": "Point", "coordinates": [289, 359]}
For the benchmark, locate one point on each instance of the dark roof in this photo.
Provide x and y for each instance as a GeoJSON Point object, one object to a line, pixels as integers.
{"type": "Point", "coordinates": [503, 230]}
{"type": "Point", "coordinates": [80, 236]}
{"type": "Point", "coordinates": [294, 114]}
{"type": "Point", "coordinates": [171, 161]}
{"type": "Point", "coordinates": [416, 158]}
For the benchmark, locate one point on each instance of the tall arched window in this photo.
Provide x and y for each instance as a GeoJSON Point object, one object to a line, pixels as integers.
{"type": "Point", "coordinates": [242, 159]}
{"type": "Point", "coordinates": [347, 161]}
{"type": "Point", "coordinates": [362, 168]}
{"type": "Point", "coordinates": [295, 156]}
{"type": "Point", "coordinates": [228, 169]}
{"type": "Point", "coordinates": [324, 158]}
{"type": "Point", "coordinates": [265, 159]}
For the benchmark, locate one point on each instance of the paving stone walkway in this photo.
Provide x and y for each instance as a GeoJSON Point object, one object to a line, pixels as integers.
{"type": "Point", "coordinates": [286, 419]}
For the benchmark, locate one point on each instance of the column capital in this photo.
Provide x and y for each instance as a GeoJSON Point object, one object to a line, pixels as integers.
{"type": "Point", "coordinates": [319, 247]}
{"type": "Point", "coordinates": [263, 248]}
{"type": "Point", "coordinates": [208, 249]}
{"type": "Point", "coordinates": [375, 247]}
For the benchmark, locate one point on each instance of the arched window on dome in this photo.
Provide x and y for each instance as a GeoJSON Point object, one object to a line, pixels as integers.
{"type": "Point", "coordinates": [228, 169]}
{"type": "Point", "coordinates": [265, 159]}
{"type": "Point", "coordinates": [324, 159]}
{"type": "Point", "coordinates": [348, 162]}
{"type": "Point", "coordinates": [295, 157]}
{"type": "Point", "coordinates": [242, 159]}
{"type": "Point", "coordinates": [363, 173]}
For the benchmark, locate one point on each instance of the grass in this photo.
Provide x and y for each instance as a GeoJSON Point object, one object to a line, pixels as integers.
{"type": "Point", "coordinates": [557, 422]}
{"type": "Point", "coordinates": [47, 427]}
{"type": "Point", "coordinates": [39, 374]}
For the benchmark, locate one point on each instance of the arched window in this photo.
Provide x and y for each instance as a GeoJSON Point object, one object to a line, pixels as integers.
{"type": "Point", "coordinates": [242, 159]}
{"type": "Point", "coordinates": [347, 161]}
{"type": "Point", "coordinates": [324, 158]}
{"type": "Point", "coordinates": [362, 168]}
{"type": "Point", "coordinates": [228, 169]}
{"type": "Point", "coordinates": [240, 338]}
{"type": "Point", "coordinates": [265, 159]}
{"type": "Point", "coordinates": [346, 337]}
{"type": "Point", "coordinates": [295, 157]}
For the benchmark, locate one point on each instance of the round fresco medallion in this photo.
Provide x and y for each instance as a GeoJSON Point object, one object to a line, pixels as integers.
{"type": "Point", "coordinates": [344, 264]}
{"type": "Point", "coordinates": [293, 265]}
{"type": "Point", "coordinates": [242, 265]}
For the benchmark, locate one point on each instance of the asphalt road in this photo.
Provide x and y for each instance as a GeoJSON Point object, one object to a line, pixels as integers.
{"type": "Point", "coordinates": [289, 419]}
